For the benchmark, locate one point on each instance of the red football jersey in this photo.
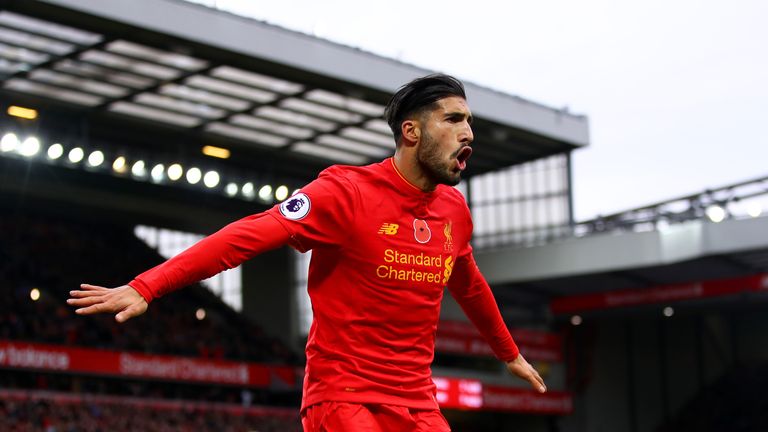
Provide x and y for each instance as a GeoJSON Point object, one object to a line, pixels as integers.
{"type": "Point", "coordinates": [383, 251]}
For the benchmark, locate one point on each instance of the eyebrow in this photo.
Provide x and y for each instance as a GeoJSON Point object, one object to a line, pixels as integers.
{"type": "Point", "coordinates": [460, 114]}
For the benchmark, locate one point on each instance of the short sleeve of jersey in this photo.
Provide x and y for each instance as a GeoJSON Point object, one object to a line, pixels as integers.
{"type": "Point", "coordinates": [320, 214]}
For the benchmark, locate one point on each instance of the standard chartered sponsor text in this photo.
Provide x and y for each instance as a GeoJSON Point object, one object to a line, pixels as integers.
{"type": "Point", "coordinates": [391, 270]}
{"type": "Point", "coordinates": [184, 369]}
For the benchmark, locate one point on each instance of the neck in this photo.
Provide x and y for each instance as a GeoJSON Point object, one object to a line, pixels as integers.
{"type": "Point", "coordinates": [409, 168]}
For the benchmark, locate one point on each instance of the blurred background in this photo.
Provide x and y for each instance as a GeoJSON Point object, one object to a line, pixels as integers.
{"type": "Point", "coordinates": [618, 189]}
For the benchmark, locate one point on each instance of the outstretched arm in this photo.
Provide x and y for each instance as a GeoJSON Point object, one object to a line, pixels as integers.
{"type": "Point", "coordinates": [471, 291]}
{"type": "Point", "coordinates": [225, 249]}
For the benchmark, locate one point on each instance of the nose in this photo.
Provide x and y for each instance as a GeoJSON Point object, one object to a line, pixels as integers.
{"type": "Point", "coordinates": [466, 136]}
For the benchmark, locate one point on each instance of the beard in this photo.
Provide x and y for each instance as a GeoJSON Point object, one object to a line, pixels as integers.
{"type": "Point", "coordinates": [440, 171]}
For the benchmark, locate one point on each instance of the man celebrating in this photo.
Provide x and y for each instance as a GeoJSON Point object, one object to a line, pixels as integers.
{"type": "Point", "coordinates": [387, 239]}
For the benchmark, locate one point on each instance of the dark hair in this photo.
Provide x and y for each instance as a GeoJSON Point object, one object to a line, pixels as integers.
{"type": "Point", "coordinates": [419, 95]}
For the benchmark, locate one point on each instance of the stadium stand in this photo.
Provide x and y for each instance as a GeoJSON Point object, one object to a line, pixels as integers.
{"type": "Point", "coordinates": [55, 256]}
{"type": "Point", "coordinates": [32, 411]}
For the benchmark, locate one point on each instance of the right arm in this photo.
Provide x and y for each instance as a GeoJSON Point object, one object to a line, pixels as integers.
{"type": "Point", "coordinates": [225, 249]}
{"type": "Point", "coordinates": [322, 220]}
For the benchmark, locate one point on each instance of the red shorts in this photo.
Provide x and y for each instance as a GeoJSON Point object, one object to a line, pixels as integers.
{"type": "Point", "coordinates": [352, 417]}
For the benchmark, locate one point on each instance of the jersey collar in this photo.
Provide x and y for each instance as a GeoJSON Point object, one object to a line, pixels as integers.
{"type": "Point", "coordinates": [407, 187]}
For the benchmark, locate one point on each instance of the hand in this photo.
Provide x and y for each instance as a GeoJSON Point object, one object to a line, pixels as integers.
{"type": "Point", "coordinates": [524, 370]}
{"type": "Point", "coordinates": [125, 301]}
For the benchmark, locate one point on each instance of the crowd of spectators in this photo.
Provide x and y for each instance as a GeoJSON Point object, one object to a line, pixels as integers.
{"type": "Point", "coordinates": [75, 383]}
{"type": "Point", "coordinates": [61, 412]}
{"type": "Point", "coordinates": [55, 256]}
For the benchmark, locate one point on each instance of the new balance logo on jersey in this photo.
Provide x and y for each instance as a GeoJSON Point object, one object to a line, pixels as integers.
{"type": "Point", "coordinates": [388, 228]}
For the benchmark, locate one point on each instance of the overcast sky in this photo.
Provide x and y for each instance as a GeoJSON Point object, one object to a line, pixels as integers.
{"type": "Point", "coordinates": [676, 91]}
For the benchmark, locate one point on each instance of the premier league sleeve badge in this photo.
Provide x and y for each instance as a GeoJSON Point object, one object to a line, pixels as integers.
{"type": "Point", "coordinates": [296, 207]}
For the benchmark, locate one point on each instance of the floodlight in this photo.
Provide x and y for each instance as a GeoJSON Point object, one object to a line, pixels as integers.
{"type": "Point", "coordinates": [21, 112]}
{"type": "Point", "coordinates": [211, 179]}
{"type": "Point", "coordinates": [715, 213]}
{"type": "Point", "coordinates": [265, 193]}
{"type": "Point", "coordinates": [248, 190]}
{"type": "Point", "coordinates": [76, 155]}
{"type": "Point", "coordinates": [9, 142]}
{"type": "Point", "coordinates": [217, 152]}
{"type": "Point", "coordinates": [231, 189]}
{"type": "Point", "coordinates": [55, 151]}
{"type": "Point", "coordinates": [139, 169]}
{"type": "Point", "coordinates": [119, 165]}
{"type": "Point", "coordinates": [194, 175]}
{"type": "Point", "coordinates": [30, 147]}
{"type": "Point", "coordinates": [96, 158]}
{"type": "Point", "coordinates": [175, 171]}
{"type": "Point", "coordinates": [281, 193]}
{"type": "Point", "coordinates": [157, 173]}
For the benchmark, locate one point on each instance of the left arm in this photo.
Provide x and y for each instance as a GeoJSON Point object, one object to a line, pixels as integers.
{"type": "Point", "coordinates": [471, 291]}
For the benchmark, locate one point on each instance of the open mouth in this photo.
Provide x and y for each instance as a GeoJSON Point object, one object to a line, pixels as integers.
{"type": "Point", "coordinates": [463, 156]}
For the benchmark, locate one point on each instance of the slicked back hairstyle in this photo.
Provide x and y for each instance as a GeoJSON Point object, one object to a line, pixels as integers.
{"type": "Point", "coordinates": [418, 96]}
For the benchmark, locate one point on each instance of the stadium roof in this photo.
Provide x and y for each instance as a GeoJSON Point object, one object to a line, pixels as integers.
{"type": "Point", "coordinates": [188, 75]}
{"type": "Point", "coordinates": [694, 251]}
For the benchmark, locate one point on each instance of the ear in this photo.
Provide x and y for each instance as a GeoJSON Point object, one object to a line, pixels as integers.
{"type": "Point", "coordinates": [411, 131]}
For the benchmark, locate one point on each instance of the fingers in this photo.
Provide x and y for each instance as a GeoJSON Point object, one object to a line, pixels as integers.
{"type": "Point", "coordinates": [81, 294]}
{"type": "Point", "coordinates": [94, 309]}
{"type": "Point", "coordinates": [536, 381]}
{"type": "Point", "coordinates": [90, 287]}
{"type": "Point", "coordinates": [88, 290]}
{"type": "Point", "coordinates": [88, 295]}
{"type": "Point", "coordinates": [85, 301]}
{"type": "Point", "coordinates": [524, 370]}
{"type": "Point", "coordinates": [533, 377]}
